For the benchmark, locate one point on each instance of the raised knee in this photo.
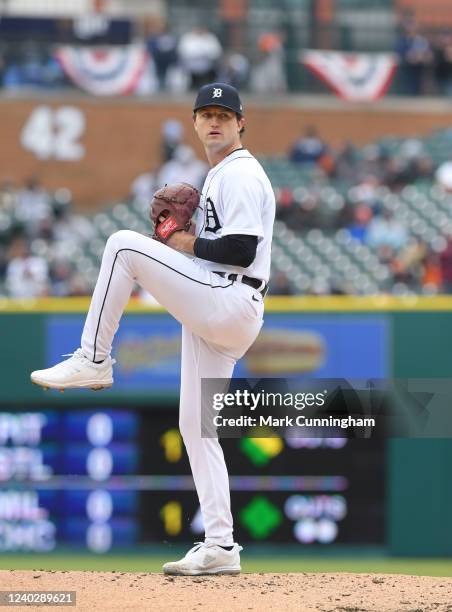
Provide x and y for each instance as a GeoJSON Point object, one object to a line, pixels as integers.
{"type": "Point", "coordinates": [121, 239]}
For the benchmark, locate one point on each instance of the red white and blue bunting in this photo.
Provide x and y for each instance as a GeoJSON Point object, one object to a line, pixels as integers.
{"type": "Point", "coordinates": [356, 77]}
{"type": "Point", "coordinates": [104, 71]}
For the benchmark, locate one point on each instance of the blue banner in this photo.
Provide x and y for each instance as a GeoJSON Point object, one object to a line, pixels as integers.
{"type": "Point", "coordinates": [147, 349]}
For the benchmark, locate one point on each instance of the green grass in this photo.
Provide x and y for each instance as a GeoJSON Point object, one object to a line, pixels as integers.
{"type": "Point", "coordinates": [250, 563]}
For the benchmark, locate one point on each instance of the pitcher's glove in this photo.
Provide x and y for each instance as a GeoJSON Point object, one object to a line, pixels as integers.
{"type": "Point", "coordinates": [172, 208]}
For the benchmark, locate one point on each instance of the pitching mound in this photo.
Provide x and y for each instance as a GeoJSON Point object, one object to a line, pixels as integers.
{"type": "Point", "coordinates": [287, 592]}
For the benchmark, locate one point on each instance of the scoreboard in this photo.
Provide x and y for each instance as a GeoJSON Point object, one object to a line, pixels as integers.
{"type": "Point", "coordinates": [108, 477]}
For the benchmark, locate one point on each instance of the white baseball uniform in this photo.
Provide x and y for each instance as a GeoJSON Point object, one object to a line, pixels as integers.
{"type": "Point", "coordinates": [220, 318]}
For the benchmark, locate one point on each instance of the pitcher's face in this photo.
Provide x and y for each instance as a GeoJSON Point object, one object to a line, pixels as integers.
{"type": "Point", "coordinates": [218, 128]}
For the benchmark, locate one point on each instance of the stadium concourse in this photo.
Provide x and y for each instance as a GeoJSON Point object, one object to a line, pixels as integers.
{"type": "Point", "coordinates": [367, 220]}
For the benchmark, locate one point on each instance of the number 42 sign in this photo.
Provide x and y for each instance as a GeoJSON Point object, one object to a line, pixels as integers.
{"type": "Point", "coordinates": [54, 133]}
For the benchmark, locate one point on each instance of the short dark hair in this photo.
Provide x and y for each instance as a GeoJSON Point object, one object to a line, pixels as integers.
{"type": "Point", "coordinates": [239, 116]}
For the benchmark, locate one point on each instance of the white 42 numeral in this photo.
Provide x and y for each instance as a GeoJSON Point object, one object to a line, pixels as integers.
{"type": "Point", "coordinates": [55, 133]}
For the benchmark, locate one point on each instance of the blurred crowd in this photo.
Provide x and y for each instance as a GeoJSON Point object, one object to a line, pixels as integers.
{"type": "Point", "coordinates": [425, 59]}
{"type": "Point", "coordinates": [41, 235]}
{"type": "Point", "coordinates": [331, 189]}
{"type": "Point", "coordinates": [346, 187]}
{"type": "Point", "coordinates": [178, 163]}
{"type": "Point", "coordinates": [38, 233]}
{"type": "Point", "coordinates": [186, 59]}
{"type": "Point", "coordinates": [177, 62]}
{"type": "Point", "coordinates": [198, 57]}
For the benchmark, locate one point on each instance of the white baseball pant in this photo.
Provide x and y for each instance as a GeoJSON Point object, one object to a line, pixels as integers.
{"type": "Point", "coordinates": [220, 321]}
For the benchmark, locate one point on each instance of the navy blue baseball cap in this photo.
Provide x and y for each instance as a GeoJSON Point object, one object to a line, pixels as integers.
{"type": "Point", "coordinates": [219, 94]}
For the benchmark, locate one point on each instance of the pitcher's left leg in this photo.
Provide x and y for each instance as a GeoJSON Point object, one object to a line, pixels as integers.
{"type": "Point", "coordinates": [202, 360]}
{"type": "Point", "coordinates": [218, 554]}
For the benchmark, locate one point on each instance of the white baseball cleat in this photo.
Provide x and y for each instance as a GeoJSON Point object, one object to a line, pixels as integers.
{"type": "Point", "coordinates": [205, 559]}
{"type": "Point", "coordinates": [77, 372]}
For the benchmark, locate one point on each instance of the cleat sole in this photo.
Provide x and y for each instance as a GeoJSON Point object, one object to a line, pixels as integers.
{"type": "Point", "coordinates": [212, 572]}
{"type": "Point", "coordinates": [61, 387]}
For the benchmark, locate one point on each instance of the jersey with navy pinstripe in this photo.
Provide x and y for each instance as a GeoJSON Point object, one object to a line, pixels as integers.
{"type": "Point", "coordinates": [237, 198]}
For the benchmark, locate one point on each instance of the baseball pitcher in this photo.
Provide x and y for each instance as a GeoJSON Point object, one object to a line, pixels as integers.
{"type": "Point", "coordinates": [213, 281]}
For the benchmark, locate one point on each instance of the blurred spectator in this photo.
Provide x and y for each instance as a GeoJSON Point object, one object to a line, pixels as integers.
{"type": "Point", "coordinates": [418, 164]}
{"type": "Point", "coordinates": [408, 265]}
{"type": "Point", "coordinates": [411, 148]}
{"type": "Point", "coordinates": [395, 173]}
{"type": "Point", "coordinates": [65, 281]}
{"type": "Point", "coordinates": [8, 196]}
{"type": "Point", "coordinates": [415, 55]}
{"type": "Point", "coordinates": [68, 227]}
{"type": "Point", "coordinates": [26, 275]}
{"type": "Point", "coordinates": [200, 53]}
{"type": "Point", "coordinates": [408, 166]}
{"type": "Point", "coordinates": [35, 68]}
{"type": "Point", "coordinates": [308, 149]}
{"type": "Point", "coordinates": [61, 202]}
{"type": "Point", "coordinates": [78, 286]}
{"type": "Point", "coordinates": [60, 276]}
{"type": "Point", "coordinates": [443, 63]}
{"type": "Point", "coordinates": [372, 162]}
{"type": "Point", "coordinates": [386, 231]}
{"type": "Point", "coordinates": [422, 168]}
{"type": "Point", "coordinates": [33, 205]}
{"type": "Point", "coordinates": [284, 204]}
{"type": "Point", "coordinates": [279, 284]}
{"type": "Point", "coordinates": [443, 175]}
{"type": "Point", "coordinates": [269, 75]}
{"type": "Point", "coordinates": [432, 276]}
{"type": "Point", "coordinates": [385, 254]}
{"type": "Point", "coordinates": [92, 24]}
{"type": "Point", "coordinates": [306, 213]}
{"type": "Point", "coordinates": [365, 191]}
{"type": "Point", "coordinates": [143, 188]}
{"type": "Point", "coordinates": [183, 167]}
{"type": "Point", "coordinates": [172, 136]}
{"type": "Point", "coordinates": [162, 47]}
{"type": "Point", "coordinates": [345, 162]}
{"type": "Point", "coordinates": [234, 70]}
{"type": "Point", "coordinates": [361, 219]}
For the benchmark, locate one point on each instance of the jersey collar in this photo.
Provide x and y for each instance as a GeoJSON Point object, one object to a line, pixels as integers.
{"type": "Point", "coordinates": [235, 154]}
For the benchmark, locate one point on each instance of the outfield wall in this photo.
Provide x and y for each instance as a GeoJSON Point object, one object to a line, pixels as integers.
{"type": "Point", "coordinates": [343, 337]}
{"type": "Point", "coordinates": [349, 337]}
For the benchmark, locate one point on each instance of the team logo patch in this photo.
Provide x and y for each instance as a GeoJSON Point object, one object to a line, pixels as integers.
{"type": "Point", "coordinates": [212, 222]}
{"type": "Point", "coordinates": [217, 92]}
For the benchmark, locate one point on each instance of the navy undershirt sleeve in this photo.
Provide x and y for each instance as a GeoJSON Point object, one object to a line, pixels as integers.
{"type": "Point", "coordinates": [232, 250]}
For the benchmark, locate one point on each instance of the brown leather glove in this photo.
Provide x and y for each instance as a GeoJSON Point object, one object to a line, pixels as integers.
{"type": "Point", "coordinates": [172, 208]}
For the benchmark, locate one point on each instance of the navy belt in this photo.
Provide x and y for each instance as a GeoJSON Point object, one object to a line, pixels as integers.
{"type": "Point", "coordinates": [255, 283]}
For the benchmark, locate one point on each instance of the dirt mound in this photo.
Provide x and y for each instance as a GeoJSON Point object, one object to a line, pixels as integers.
{"type": "Point", "coordinates": [287, 592]}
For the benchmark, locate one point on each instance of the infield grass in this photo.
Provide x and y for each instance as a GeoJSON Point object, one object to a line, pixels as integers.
{"type": "Point", "coordinates": [250, 564]}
